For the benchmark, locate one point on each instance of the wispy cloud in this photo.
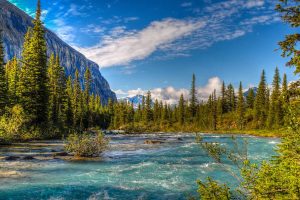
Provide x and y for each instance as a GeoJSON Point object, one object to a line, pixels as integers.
{"type": "Point", "coordinates": [186, 4]}
{"type": "Point", "coordinates": [171, 37]}
{"type": "Point", "coordinates": [122, 47]}
{"type": "Point", "coordinates": [75, 10]}
{"type": "Point", "coordinates": [65, 32]}
{"type": "Point", "coordinates": [171, 95]}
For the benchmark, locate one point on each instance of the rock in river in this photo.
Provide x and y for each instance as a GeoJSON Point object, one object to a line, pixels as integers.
{"type": "Point", "coordinates": [153, 142]}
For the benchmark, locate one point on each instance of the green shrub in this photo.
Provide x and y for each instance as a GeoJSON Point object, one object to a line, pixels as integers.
{"type": "Point", "coordinates": [12, 124]}
{"type": "Point", "coordinates": [86, 145]}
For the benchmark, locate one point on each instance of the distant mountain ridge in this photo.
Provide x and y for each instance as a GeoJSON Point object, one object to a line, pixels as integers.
{"type": "Point", "coordinates": [135, 100]}
{"type": "Point", "coordinates": [14, 23]}
{"type": "Point", "coordinates": [254, 90]}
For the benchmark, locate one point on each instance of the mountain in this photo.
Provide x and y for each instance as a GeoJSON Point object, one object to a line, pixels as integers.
{"type": "Point", "coordinates": [14, 23]}
{"type": "Point", "coordinates": [247, 92]}
{"type": "Point", "coordinates": [135, 100]}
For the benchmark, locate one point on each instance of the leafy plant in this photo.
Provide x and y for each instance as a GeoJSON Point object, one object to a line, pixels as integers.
{"type": "Point", "coordinates": [12, 124]}
{"type": "Point", "coordinates": [86, 145]}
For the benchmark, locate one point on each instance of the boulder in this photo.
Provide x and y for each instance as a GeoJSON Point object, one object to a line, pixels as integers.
{"type": "Point", "coordinates": [11, 158]}
{"type": "Point", "coordinates": [60, 154]}
{"type": "Point", "coordinates": [28, 158]}
{"type": "Point", "coordinates": [153, 142]}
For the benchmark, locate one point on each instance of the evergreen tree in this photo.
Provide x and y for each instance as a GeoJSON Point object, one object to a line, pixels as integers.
{"type": "Point", "coordinates": [3, 80]}
{"type": "Point", "coordinates": [68, 107]}
{"type": "Point", "coordinates": [250, 98]}
{"type": "Point", "coordinates": [156, 112]}
{"type": "Point", "coordinates": [56, 88]}
{"type": "Point", "coordinates": [147, 110]}
{"type": "Point", "coordinates": [12, 74]}
{"type": "Point", "coordinates": [223, 98]}
{"type": "Point", "coordinates": [260, 107]}
{"type": "Point", "coordinates": [290, 12]}
{"type": "Point", "coordinates": [230, 98]}
{"type": "Point", "coordinates": [284, 92]}
{"type": "Point", "coordinates": [76, 101]}
{"type": "Point", "coordinates": [214, 110]}
{"type": "Point", "coordinates": [181, 110]}
{"type": "Point", "coordinates": [193, 97]}
{"type": "Point", "coordinates": [241, 107]}
{"type": "Point", "coordinates": [86, 96]}
{"type": "Point", "coordinates": [33, 78]}
{"type": "Point", "coordinates": [275, 112]}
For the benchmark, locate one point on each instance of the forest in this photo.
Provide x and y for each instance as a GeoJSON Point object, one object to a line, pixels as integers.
{"type": "Point", "coordinates": [38, 101]}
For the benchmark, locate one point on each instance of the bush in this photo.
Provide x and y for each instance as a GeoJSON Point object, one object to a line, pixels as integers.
{"type": "Point", "coordinates": [86, 145]}
{"type": "Point", "coordinates": [12, 124]}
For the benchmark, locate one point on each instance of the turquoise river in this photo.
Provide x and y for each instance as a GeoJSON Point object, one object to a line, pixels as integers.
{"type": "Point", "coordinates": [129, 170]}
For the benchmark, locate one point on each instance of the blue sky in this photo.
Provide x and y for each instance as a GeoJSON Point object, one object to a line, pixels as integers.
{"type": "Point", "coordinates": [156, 45]}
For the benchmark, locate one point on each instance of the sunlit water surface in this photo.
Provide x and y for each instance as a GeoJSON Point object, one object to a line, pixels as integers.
{"type": "Point", "coordinates": [129, 170]}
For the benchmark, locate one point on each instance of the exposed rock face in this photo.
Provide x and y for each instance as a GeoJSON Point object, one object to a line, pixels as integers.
{"type": "Point", "coordinates": [14, 23]}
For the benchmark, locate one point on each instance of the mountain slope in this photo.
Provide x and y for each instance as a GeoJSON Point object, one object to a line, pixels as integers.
{"type": "Point", "coordinates": [14, 23]}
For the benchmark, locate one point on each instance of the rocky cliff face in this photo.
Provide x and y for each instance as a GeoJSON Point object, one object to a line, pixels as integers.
{"type": "Point", "coordinates": [14, 23]}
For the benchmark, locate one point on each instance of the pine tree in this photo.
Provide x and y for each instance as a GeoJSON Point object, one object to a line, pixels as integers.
{"type": "Point", "coordinates": [68, 104]}
{"type": "Point", "coordinates": [214, 110]}
{"type": "Point", "coordinates": [181, 110]}
{"type": "Point", "coordinates": [275, 112]}
{"type": "Point", "coordinates": [76, 101]}
{"type": "Point", "coordinates": [223, 98]}
{"type": "Point", "coordinates": [33, 78]}
{"type": "Point", "coordinates": [250, 98]}
{"type": "Point", "coordinates": [3, 80]}
{"type": "Point", "coordinates": [147, 110]}
{"type": "Point", "coordinates": [260, 104]}
{"type": "Point", "coordinates": [230, 98]}
{"type": "Point", "coordinates": [284, 92]}
{"type": "Point", "coordinates": [193, 97]}
{"type": "Point", "coordinates": [12, 74]}
{"type": "Point", "coordinates": [156, 112]}
{"type": "Point", "coordinates": [86, 96]}
{"type": "Point", "coordinates": [241, 107]}
{"type": "Point", "coordinates": [56, 88]}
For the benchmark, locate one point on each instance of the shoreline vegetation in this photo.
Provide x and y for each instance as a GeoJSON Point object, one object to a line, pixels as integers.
{"type": "Point", "coordinates": [257, 133]}
{"type": "Point", "coordinates": [38, 101]}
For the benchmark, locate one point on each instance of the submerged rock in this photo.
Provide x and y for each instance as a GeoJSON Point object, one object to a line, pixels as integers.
{"type": "Point", "coordinates": [60, 154]}
{"type": "Point", "coordinates": [153, 142]}
{"type": "Point", "coordinates": [11, 158]}
{"type": "Point", "coordinates": [28, 158]}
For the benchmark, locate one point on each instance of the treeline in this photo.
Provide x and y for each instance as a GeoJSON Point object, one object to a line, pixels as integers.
{"type": "Point", "coordinates": [37, 100]}
{"type": "Point", "coordinates": [263, 109]}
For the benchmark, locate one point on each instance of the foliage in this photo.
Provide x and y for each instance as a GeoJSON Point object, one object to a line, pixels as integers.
{"type": "Point", "coordinates": [86, 145]}
{"type": "Point", "coordinates": [32, 88]}
{"type": "Point", "coordinates": [212, 190]}
{"type": "Point", "coordinates": [3, 82]}
{"type": "Point", "coordinates": [290, 10]}
{"type": "Point", "coordinates": [12, 124]}
{"type": "Point", "coordinates": [275, 179]}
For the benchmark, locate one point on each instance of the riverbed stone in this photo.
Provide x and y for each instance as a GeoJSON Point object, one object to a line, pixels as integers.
{"type": "Point", "coordinates": [153, 142]}
{"type": "Point", "coordinates": [28, 158]}
{"type": "Point", "coordinates": [60, 154]}
{"type": "Point", "coordinates": [11, 158]}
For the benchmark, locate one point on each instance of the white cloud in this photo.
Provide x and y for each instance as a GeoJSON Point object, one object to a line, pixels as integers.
{"type": "Point", "coordinates": [254, 3]}
{"type": "Point", "coordinates": [173, 37]}
{"type": "Point", "coordinates": [136, 45]}
{"type": "Point", "coordinates": [74, 10]}
{"type": "Point", "coordinates": [65, 32]}
{"type": "Point", "coordinates": [186, 4]}
{"type": "Point", "coordinates": [171, 95]}
{"type": "Point", "coordinates": [92, 28]}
